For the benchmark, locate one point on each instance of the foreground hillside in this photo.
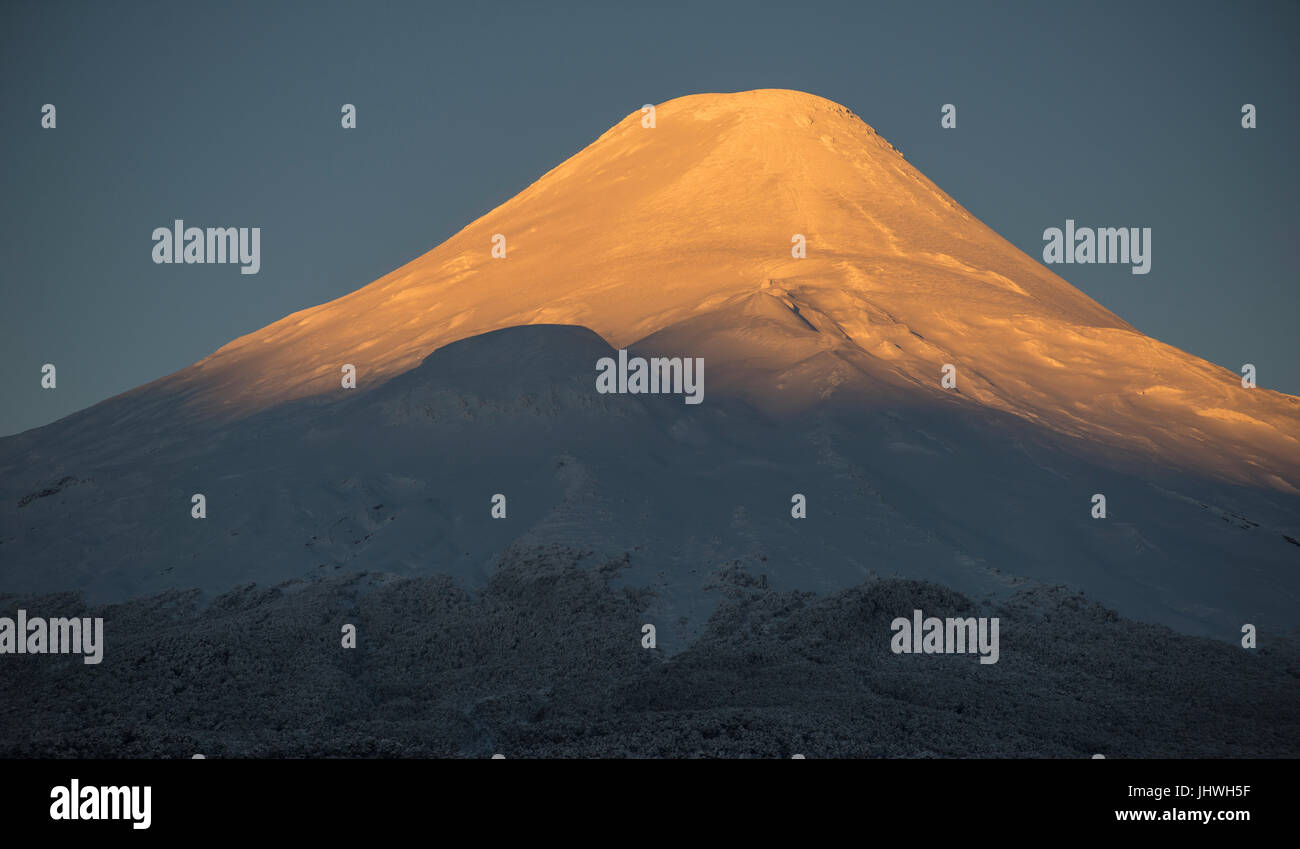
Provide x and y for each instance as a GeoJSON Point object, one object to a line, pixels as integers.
{"type": "Point", "coordinates": [547, 662]}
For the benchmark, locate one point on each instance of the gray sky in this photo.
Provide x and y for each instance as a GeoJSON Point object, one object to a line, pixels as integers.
{"type": "Point", "coordinates": [1124, 114]}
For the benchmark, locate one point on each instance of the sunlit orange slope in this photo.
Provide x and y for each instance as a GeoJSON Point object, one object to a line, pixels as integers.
{"type": "Point", "coordinates": [684, 230]}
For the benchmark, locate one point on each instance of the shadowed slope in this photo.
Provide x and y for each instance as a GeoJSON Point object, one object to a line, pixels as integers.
{"type": "Point", "coordinates": [400, 479]}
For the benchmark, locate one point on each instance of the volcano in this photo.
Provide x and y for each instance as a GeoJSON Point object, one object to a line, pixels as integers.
{"type": "Point", "coordinates": [828, 286]}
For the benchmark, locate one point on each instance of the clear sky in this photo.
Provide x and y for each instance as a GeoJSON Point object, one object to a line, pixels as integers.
{"type": "Point", "coordinates": [227, 114]}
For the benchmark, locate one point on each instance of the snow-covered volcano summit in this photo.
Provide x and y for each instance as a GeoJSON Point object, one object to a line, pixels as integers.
{"type": "Point", "coordinates": [650, 228]}
{"type": "Point", "coordinates": [823, 378]}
